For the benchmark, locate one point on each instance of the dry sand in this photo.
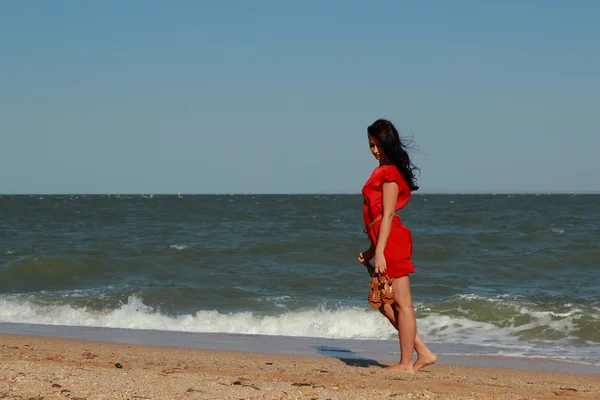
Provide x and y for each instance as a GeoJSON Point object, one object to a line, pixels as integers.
{"type": "Point", "coordinates": [43, 368]}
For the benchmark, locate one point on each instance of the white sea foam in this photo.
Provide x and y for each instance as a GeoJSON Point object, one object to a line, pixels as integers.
{"type": "Point", "coordinates": [342, 323]}
{"type": "Point", "coordinates": [136, 315]}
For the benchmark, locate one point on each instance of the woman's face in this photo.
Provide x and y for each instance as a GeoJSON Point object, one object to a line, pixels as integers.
{"type": "Point", "coordinates": [376, 149]}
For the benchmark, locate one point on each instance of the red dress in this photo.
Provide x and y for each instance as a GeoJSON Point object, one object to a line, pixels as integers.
{"type": "Point", "coordinates": [398, 248]}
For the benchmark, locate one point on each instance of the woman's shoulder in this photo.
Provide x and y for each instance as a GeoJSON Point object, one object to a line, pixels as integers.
{"type": "Point", "coordinates": [389, 170]}
{"type": "Point", "coordinates": [390, 173]}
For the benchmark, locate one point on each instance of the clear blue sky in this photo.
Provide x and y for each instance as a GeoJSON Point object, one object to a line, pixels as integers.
{"type": "Point", "coordinates": [275, 96]}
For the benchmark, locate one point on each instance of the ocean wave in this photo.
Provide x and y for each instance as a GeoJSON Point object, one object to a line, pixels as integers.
{"type": "Point", "coordinates": [529, 338]}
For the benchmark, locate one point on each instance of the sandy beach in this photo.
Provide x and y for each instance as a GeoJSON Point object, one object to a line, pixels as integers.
{"type": "Point", "coordinates": [49, 368]}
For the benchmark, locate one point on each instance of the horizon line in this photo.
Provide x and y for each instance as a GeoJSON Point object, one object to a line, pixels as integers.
{"type": "Point", "coordinates": [457, 192]}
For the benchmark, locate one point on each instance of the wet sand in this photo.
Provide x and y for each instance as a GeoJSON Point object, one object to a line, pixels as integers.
{"type": "Point", "coordinates": [52, 368]}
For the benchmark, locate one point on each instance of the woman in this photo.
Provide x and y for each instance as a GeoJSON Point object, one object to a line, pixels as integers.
{"type": "Point", "coordinates": [388, 190]}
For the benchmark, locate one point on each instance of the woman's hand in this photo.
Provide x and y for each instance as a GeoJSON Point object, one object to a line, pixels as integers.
{"type": "Point", "coordinates": [380, 265]}
{"type": "Point", "coordinates": [366, 256]}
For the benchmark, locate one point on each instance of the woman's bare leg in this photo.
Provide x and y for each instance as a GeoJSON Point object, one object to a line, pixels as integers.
{"type": "Point", "coordinates": [409, 338]}
{"type": "Point", "coordinates": [390, 312]}
{"type": "Point", "coordinates": [405, 323]}
{"type": "Point", "coordinates": [424, 355]}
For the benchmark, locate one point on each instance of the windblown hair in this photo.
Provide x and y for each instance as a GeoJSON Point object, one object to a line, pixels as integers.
{"type": "Point", "coordinates": [396, 151]}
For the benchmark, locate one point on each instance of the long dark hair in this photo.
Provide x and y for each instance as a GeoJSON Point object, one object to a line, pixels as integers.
{"type": "Point", "coordinates": [396, 151]}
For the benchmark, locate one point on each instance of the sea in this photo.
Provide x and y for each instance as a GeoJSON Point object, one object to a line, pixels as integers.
{"type": "Point", "coordinates": [499, 275]}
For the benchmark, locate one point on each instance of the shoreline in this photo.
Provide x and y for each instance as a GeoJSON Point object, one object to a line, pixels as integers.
{"type": "Point", "coordinates": [365, 351]}
{"type": "Point", "coordinates": [38, 366]}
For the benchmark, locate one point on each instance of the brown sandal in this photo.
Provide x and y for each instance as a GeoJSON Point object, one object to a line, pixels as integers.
{"type": "Point", "coordinates": [387, 293]}
{"type": "Point", "coordinates": [374, 295]}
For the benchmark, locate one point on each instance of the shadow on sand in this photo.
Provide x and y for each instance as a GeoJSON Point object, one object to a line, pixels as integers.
{"type": "Point", "coordinates": [348, 357]}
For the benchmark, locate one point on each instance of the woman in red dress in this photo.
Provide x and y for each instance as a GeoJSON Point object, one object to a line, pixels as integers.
{"type": "Point", "coordinates": [388, 190]}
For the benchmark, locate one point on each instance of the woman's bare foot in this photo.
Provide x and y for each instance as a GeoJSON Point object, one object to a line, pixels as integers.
{"type": "Point", "coordinates": [424, 360]}
{"type": "Point", "coordinates": [401, 368]}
